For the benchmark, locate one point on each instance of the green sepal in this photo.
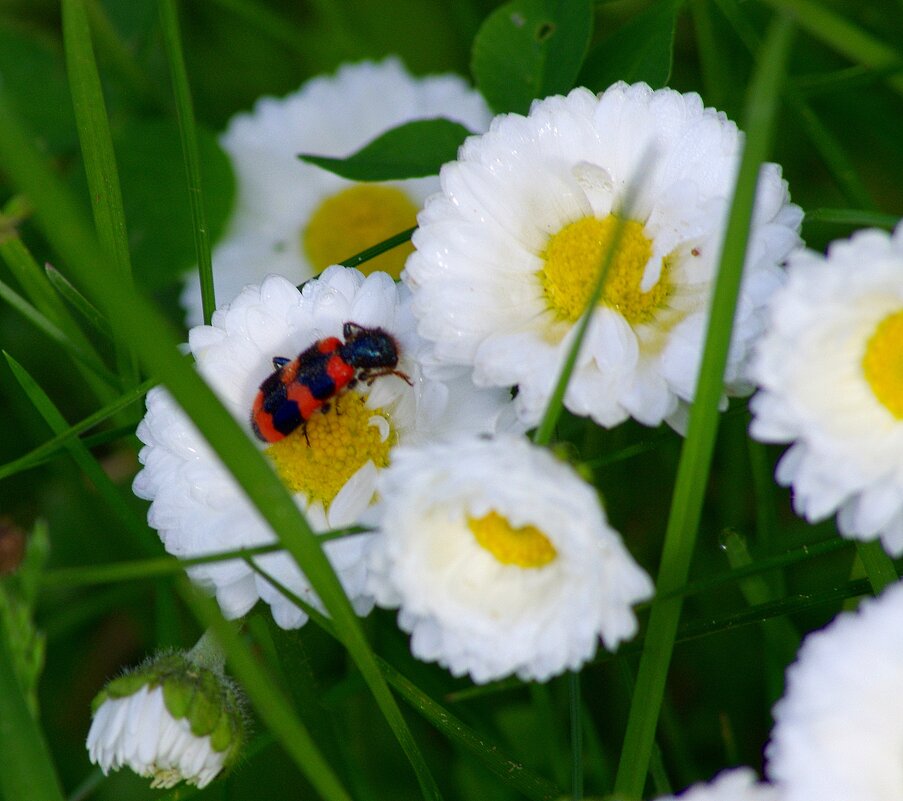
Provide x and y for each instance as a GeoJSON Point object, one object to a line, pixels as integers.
{"type": "Point", "coordinates": [206, 704]}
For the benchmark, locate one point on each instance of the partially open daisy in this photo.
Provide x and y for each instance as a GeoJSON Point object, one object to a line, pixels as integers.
{"type": "Point", "coordinates": [508, 253]}
{"type": "Point", "coordinates": [830, 370]}
{"type": "Point", "coordinates": [839, 727]}
{"type": "Point", "coordinates": [330, 464]}
{"type": "Point", "coordinates": [295, 219]}
{"type": "Point", "coordinates": [500, 560]}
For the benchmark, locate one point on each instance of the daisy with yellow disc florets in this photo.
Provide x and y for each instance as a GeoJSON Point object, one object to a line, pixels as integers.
{"type": "Point", "coordinates": [330, 463]}
{"type": "Point", "coordinates": [295, 219]}
{"type": "Point", "coordinates": [500, 560]}
{"type": "Point", "coordinates": [508, 253]}
{"type": "Point", "coordinates": [830, 370]}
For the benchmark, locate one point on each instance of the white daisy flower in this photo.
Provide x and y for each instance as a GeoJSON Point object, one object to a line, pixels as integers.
{"type": "Point", "coordinates": [500, 560]}
{"type": "Point", "coordinates": [331, 464]}
{"type": "Point", "coordinates": [831, 383]}
{"type": "Point", "coordinates": [508, 253]}
{"type": "Point", "coordinates": [295, 219]}
{"type": "Point", "coordinates": [739, 784]}
{"type": "Point", "coordinates": [170, 720]}
{"type": "Point", "coordinates": [838, 731]}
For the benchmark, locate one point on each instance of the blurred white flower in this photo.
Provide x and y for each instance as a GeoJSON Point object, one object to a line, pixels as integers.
{"type": "Point", "coordinates": [295, 219]}
{"type": "Point", "coordinates": [838, 731]}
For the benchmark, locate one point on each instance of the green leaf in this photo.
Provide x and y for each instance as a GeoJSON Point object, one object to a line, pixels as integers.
{"type": "Point", "coordinates": [412, 150]}
{"type": "Point", "coordinates": [159, 214]}
{"type": "Point", "coordinates": [528, 49]}
{"type": "Point", "coordinates": [641, 50]}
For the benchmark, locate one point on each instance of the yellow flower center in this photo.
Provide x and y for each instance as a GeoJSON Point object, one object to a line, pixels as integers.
{"type": "Point", "coordinates": [342, 440]}
{"type": "Point", "coordinates": [526, 546]}
{"type": "Point", "coordinates": [574, 258]}
{"type": "Point", "coordinates": [883, 363]}
{"type": "Point", "coordinates": [355, 219]}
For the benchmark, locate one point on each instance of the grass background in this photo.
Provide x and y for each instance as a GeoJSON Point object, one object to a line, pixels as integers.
{"type": "Point", "coordinates": [836, 135]}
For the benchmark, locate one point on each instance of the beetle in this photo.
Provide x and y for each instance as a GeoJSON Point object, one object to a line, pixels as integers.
{"type": "Point", "coordinates": [298, 387]}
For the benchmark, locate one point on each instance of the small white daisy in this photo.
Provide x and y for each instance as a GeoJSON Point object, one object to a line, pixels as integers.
{"type": "Point", "coordinates": [830, 368]}
{"type": "Point", "coordinates": [739, 784]}
{"type": "Point", "coordinates": [170, 720]}
{"type": "Point", "coordinates": [295, 219]}
{"type": "Point", "coordinates": [500, 560]}
{"type": "Point", "coordinates": [330, 464]}
{"type": "Point", "coordinates": [838, 731]}
{"type": "Point", "coordinates": [508, 253]}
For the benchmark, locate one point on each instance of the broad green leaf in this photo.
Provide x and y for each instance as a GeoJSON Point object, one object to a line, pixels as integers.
{"type": "Point", "coordinates": [528, 49]}
{"type": "Point", "coordinates": [412, 150]}
{"type": "Point", "coordinates": [641, 50]}
{"type": "Point", "coordinates": [156, 203]}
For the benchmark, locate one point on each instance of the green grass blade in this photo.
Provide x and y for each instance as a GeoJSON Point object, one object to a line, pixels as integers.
{"type": "Point", "coordinates": [696, 455]}
{"type": "Point", "coordinates": [879, 567]}
{"type": "Point", "coordinates": [272, 705]}
{"type": "Point", "coordinates": [172, 42]}
{"type": "Point", "coordinates": [86, 358]}
{"type": "Point", "coordinates": [379, 248]}
{"type": "Point", "coordinates": [853, 217]}
{"type": "Point", "coordinates": [845, 37]}
{"type": "Point", "coordinates": [98, 156]}
{"type": "Point", "coordinates": [132, 317]}
{"type": "Point", "coordinates": [512, 772]}
{"type": "Point", "coordinates": [78, 301]}
{"type": "Point", "coordinates": [28, 770]}
{"type": "Point", "coordinates": [55, 445]}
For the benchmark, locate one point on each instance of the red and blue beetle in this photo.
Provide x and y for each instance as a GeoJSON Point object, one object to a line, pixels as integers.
{"type": "Point", "coordinates": [299, 387]}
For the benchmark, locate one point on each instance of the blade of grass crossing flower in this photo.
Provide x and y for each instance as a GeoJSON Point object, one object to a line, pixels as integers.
{"type": "Point", "coordinates": [86, 358]}
{"type": "Point", "coordinates": [696, 454]}
{"type": "Point", "coordinates": [172, 41]}
{"type": "Point", "coordinates": [28, 770]}
{"type": "Point", "coordinates": [543, 433]}
{"type": "Point", "coordinates": [274, 707]}
{"type": "Point", "coordinates": [132, 317]}
{"type": "Point", "coordinates": [53, 446]}
{"type": "Point", "coordinates": [844, 37]}
{"type": "Point", "coordinates": [510, 771]}
{"type": "Point", "coordinates": [78, 301]}
{"type": "Point", "coordinates": [98, 157]}
{"type": "Point", "coordinates": [379, 248]}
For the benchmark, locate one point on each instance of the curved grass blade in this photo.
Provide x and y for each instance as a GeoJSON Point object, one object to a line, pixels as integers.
{"type": "Point", "coordinates": [98, 156]}
{"type": "Point", "coordinates": [132, 317]}
{"type": "Point", "coordinates": [696, 454]}
{"type": "Point", "coordinates": [172, 41]}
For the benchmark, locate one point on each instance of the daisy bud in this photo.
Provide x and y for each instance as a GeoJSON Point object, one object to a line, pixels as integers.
{"type": "Point", "coordinates": [172, 719]}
